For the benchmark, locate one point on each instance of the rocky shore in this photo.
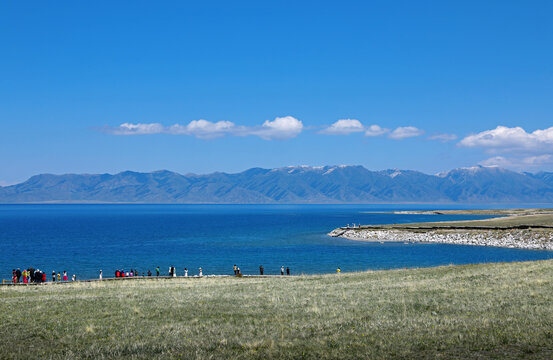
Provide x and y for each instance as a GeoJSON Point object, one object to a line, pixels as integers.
{"type": "Point", "coordinates": [522, 239]}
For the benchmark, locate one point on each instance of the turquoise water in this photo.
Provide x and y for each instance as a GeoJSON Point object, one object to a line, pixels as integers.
{"type": "Point", "coordinates": [83, 239]}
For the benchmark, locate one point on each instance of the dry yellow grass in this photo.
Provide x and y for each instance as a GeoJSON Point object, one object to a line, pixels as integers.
{"type": "Point", "coordinates": [484, 311]}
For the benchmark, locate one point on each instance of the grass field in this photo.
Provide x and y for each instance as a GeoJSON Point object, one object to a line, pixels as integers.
{"type": "Point", "coordinates": [476, 311]}
{"type": "Point", "coordinates": [501, 212]}
{"type": "Point", "coordinates": [499, 222]}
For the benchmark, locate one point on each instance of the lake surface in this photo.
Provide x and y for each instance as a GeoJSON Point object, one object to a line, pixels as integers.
{"type": "Point", "coordinates": [83, 239]}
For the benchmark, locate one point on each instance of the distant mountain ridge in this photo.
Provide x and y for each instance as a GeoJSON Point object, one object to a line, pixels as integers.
{"type": "Point", "coordinates": [292, 184]}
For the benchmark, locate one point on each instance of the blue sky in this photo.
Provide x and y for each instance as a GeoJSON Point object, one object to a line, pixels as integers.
{"type": "Point", "coordinates": [112, 86]}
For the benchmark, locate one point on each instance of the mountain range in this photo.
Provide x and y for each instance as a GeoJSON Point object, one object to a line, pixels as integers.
{"type": "Point", "coordinates": [293, 184]}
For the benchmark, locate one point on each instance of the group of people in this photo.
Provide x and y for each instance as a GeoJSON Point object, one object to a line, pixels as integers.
{"type": "Point", "coordinates": [353, 226]}
{"type": "Point", "coordinates": [122, 273]}
{"type": "Point", "coordinates": [133, 272]}
{"type": "Point", "coordinates": [173, 271]}
{"type": "Point", "coordinates": [237, 271]}
{"type": "Point", "coordinates": [36, 276]}
{"type": "Point", "coordinates": [282, 270]}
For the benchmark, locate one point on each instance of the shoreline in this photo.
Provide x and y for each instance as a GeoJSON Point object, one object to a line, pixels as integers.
{"type": "Point", "coordinates": [513, 239]}
{"type": "Point", "coordinates": [527, 229]}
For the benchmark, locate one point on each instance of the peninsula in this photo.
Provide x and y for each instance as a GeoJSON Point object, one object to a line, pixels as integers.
{"type": "Point", "coordinates": [512, 228]}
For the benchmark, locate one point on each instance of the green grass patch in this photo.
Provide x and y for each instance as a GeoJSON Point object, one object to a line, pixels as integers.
{"type": "Point", "coordinates": [475, 311]}
{"type": "Point", "coordinates": [507, 222]}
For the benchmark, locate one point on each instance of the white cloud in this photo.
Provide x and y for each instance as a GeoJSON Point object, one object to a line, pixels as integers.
{"type": "Point", "coordinates": [280, 128]}
{"type": "Point", "coordinates": [404, 132]}
{"type": "Point", "coordinates": [348, 126]}
{"type": "Point", "coordinates": [497, 161]}
{"type": "Point", "coordinates": [203, 129]}
{"type": "Point", "coordinates": [443, 137]}
{"type": "Point", "coordinates": [344, 127]}
{"type": "Point", "coordinates": [375, 130]}
{"type": "Point", "coordinates": [503, 138]}
{"type": "Point", "coordinates": [514, 147]}
{"type": "Point", "coordinates": [519, 163]}
{"type": "Point", "coordinates": [136, 129]}
{"type": "Point", "coordinates": [539, 160]}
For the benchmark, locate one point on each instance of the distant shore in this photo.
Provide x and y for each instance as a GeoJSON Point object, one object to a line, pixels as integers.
{"type": "Point", "coordinates": [519, 228]}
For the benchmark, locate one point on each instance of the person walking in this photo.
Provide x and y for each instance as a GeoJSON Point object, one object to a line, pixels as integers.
{"type": "Point", "coordinates": [53, 276]}
{"type": "Point", "coordinates": [287, 270]}
{"type": "Point", "coordinates": [64, 275]}
{"type": "Point", "coordinates": [18, 274]}
{"type": "Point", "coordinates": [185, 272]}
{"type": "Point", "coordinates": [261, 270]}
{"type": "Point", "coordinates": [282, 270]}
{"type": "Point", "coordinates": [174, 272]}
{"type": "Point", "coordinates": [100, 274]}
{"type": "Point", "coordinates": [157, 271]}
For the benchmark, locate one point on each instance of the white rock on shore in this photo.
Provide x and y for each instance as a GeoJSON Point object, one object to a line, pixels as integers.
{"type": "Point", "coordinates": [522, 239]}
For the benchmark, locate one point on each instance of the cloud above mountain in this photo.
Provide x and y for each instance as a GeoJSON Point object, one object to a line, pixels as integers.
{"type": "Point", "coordinates": [344, 127]}
{"type": "Point", "coordinates": [375, 130]}
{"type": "Point", "coordinates": [280, 128]}
{"type": "Point", "coordinates": [349, 126]}
{"type": "Point", "coordinates": [404, 132]}
{"type": "Point", "coordinates": [443, 137]}
{"type": "Point", "coordinates": [504, 138]}
{"type": "Point", "coordinates": [203, 129]}
{"type": "Point", "coordinates": [135, 129]}
{"type": "Point", "coordinates": [514, 147]}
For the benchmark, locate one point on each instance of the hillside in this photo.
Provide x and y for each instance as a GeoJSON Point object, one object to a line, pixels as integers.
{"type": "Point", "coordinates": [294, 184]}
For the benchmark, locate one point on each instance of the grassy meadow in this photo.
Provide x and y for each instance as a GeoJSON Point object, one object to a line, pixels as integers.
{"type": "Point", "coordinates": [499, 222]}
{"type": "Point", "coordinates": [483, 311]}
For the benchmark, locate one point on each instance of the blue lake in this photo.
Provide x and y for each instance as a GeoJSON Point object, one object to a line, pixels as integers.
{"type": "Point", "coordinates": [83, 239]}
